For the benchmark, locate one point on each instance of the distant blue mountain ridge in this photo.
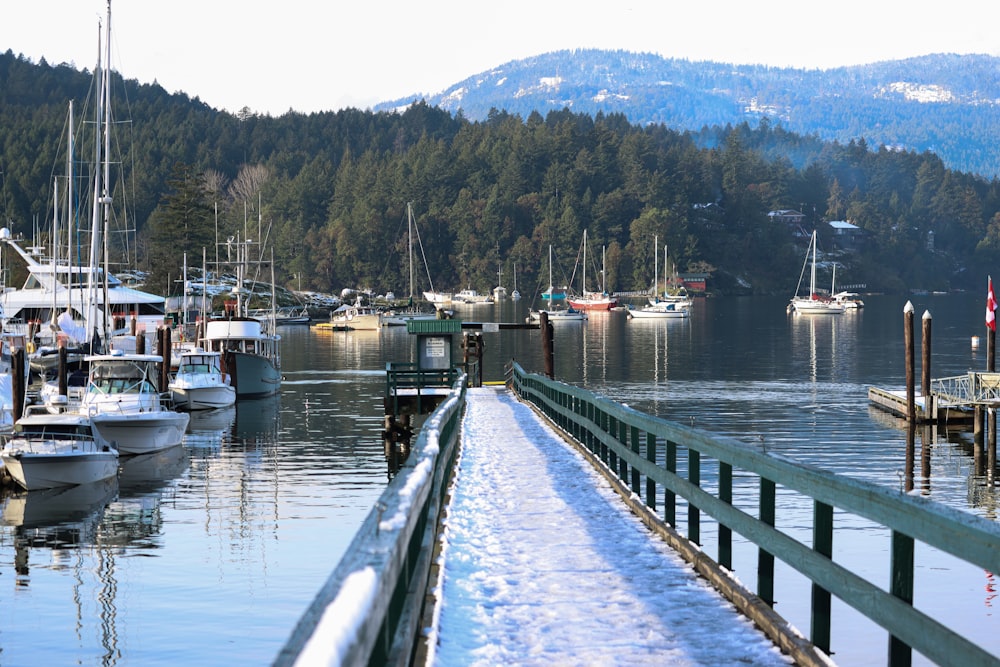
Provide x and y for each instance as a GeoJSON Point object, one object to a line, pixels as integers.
{"type": "Point", "coordinates": [944, 103]}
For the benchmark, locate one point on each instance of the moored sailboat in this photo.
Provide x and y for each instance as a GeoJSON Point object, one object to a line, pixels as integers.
{"type": "Point", "coordinates": [814, 303]}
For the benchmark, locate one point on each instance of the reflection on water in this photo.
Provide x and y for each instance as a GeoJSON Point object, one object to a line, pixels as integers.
{"type": "Point", "coordinates": [225, 540]}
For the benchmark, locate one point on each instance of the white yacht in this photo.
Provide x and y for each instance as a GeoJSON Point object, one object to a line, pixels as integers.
{"type": "Point", "coordinates": [53, 289]}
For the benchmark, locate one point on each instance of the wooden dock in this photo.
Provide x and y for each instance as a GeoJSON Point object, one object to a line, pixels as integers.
{"type": "Point", "coordinates": [936, 410]}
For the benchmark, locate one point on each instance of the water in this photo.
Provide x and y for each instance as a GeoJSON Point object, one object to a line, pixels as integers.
{"type": "Point", "coordinates": [209, 553]}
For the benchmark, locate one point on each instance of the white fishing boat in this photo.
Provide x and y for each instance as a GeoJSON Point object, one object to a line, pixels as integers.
{"type": "Point", "coordinates": [814, 303]}
{"type": "Point", "coordinates": [124, 403]}
{"type": "Point", "coordinates": [48, 451]}
{"type": "Point", "coordinates": [200, 384]}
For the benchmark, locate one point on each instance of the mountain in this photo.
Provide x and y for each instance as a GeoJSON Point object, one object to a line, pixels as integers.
{"type": "Point", "coordinates": [946, 104]}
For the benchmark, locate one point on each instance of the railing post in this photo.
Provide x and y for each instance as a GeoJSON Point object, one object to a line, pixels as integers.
{"type": "Point", "coordinates": [669, 497]}
{"type": "Point", "coordinates": [612, 455]}
{"type": "Point", "coordinates": [765, 559]}
{"type": "Point", "coordinates": [636, 483]}
{"type": "Point", "coordinates": [650, 483]}
{"type": "Point", "coordinates": [821, 607]}
{"type": "Point", "coordinates": [901, 586]}
{"type": "Point", "coordinates": [725, 532]}
{"type": "Point", "coordinates": [694, 515]}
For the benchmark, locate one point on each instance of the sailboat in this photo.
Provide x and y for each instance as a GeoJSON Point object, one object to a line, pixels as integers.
{"type": "Point", "coordinates": [399, 317]}
{"type": "Point", "coordinates": [657, 308]}
{"type": "Point", "coordinates": [591, 300]}
{"type": "Point", "coordinates": [814, 303]}
{"type": "Point", "coordinates": [556, 314]}
{"type": "Point", "coordinates": [515, 295]}
{"type": "Point", "coordinates": [499, 292]}
{"type": "Point", "coordinates": [553, 294]}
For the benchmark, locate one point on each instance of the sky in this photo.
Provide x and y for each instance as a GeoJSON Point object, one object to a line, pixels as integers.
{"type": "Point", "coordinates": [322, 56]}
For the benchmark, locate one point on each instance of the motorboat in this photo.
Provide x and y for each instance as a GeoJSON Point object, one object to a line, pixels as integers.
{"type": "Point", "coordinates": [124, 402]}
{"type": "Point", "coordinates": [558, 315]}
{"type": "Point", "coordinates": [200, 384]}
{"type": "Point", "coordinates": [250, 355]}
{"type": "Point", "coordinates": [471, 297]}
{"type": "Point", "coordinates": [59, 292]}
{"type": "Point", "coordinates": [849, 300]}
{"type": "Point", "coordinates": [356, 317]}
{"type": "Point", "coordinates": [250, 347]}
{"type": "Point", "coordinates": [48, 451]}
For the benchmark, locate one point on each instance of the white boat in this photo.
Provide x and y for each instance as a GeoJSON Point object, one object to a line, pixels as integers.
{"type": "Point", "coordinates": [356, 317]}
{"type": "Point", "coordinates": [679, 297]}
{"type": "Point", "coordinates": [499, 292]}
{"type": "Point", "coordinates": [398, 317]}
{"type": "Point", "coordinates": [849, 300]}
{"type": "Point", "coordinates": [200, 384]}
{"type": "Point", "coordinates": [47, 451]}
{"type": "Point", "coordinates": [471, 297]}
{"type": "Point", "coordinates": [590, 300]}
{"type": "Point", "coordinates": [662, 310]}
{"type": "Point", "coordinates": [515, 295]}
{"type": "Point", "coordinates": [814, 303]}
{"type": "Point", "coordinates": [558, 315]}
{"type": "Point", "coordinates": [77, 300]}
{"type": "Point", "coordinates": [124, 403]}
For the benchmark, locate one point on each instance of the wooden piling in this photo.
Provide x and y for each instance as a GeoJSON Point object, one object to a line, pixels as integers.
{"type": "Point", "coordinates": [925, 358]}
{"type": "Point", "coordinates": [63, 371]}
{"type": "Point", "coordinates": [17, 382]}
{"type": "Point", "coordinates": [911, 406]}
{"type": "Point", "coordinates": [547, 343]}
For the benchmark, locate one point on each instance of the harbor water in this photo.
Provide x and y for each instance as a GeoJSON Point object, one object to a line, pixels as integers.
{"type": "Point", "coordinates": [208, 553]}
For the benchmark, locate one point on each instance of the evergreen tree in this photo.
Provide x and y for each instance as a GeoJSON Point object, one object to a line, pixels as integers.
{"type": "Point", "coordinates": [182, 224]}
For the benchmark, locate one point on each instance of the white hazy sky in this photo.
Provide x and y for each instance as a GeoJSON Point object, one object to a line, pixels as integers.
{"type": "Point", "coordinates": [311, 55]}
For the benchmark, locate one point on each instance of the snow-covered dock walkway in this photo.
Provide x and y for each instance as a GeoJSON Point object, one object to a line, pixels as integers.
{"type": "Point", "coordinates": [544, 564]}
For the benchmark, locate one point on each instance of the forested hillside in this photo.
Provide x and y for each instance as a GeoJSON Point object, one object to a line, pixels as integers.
{"type": "Point", "coordinates": [947, 104]}
{"type": "Point", "coordinates": [329, 192]}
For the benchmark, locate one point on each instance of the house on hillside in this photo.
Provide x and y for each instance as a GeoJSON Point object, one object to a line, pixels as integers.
{"type": "Point", "coordinates": [791, 219]}
{"type": "Point", "coordinates": [846, 235]}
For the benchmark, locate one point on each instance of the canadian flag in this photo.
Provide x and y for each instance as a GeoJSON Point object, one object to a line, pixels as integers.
{"type": "Point", "coordinates": [991, 308]}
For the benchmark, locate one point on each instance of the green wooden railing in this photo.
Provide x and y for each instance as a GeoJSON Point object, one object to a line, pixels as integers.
{"type": "Point", "coordinates": [368, 612]}
{"type": "Point", "coordinates": [642, 452]}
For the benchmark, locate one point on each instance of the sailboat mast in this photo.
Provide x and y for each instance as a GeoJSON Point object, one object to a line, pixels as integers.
{"type": "Point", "coordinates": [106, 198]}
{"type": "Point", "coordinates": [409, 236]}
{"type": "Point", "coordinates": [812, 276]}
{"type": "Point", "coordinates": [656, 265]}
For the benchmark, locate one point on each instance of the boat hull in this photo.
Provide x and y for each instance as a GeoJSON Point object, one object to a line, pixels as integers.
{"type": "Point", "coordinates": [658, 313]}
{"type": "Point", "coordinates": [593, 304]}
{"type": "Point", "coordinates": [142, 433]}
{"type": "Point", "coordinates": [252, 375]}
{"type": "Point", "coordinates": [34, 471]}
{"type": "Point", "coordinates": [202, 398]}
